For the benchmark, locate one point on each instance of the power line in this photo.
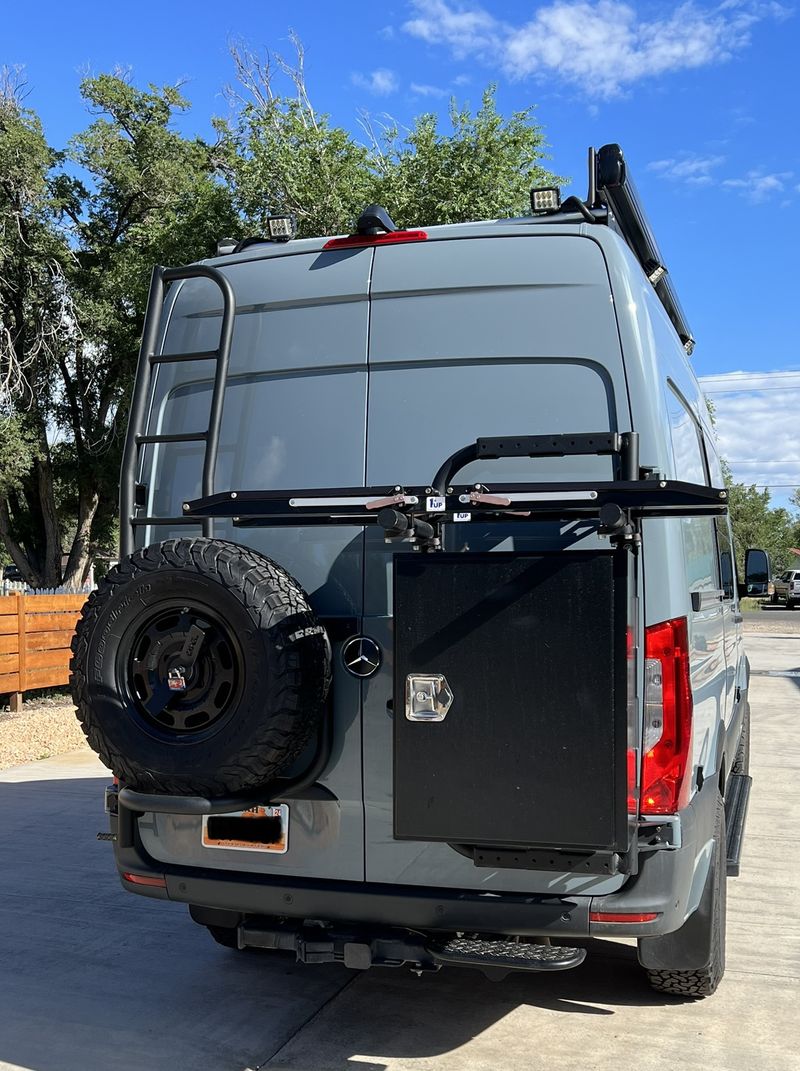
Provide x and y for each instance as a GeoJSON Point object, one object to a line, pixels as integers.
{"type": "Point", "coordinates": [749, 375]}
{"type": "Point", "coordinates": [753, 390]}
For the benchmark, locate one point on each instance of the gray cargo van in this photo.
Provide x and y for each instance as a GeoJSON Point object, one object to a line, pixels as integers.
{"type": "Point", "coordinates": [425, 646]}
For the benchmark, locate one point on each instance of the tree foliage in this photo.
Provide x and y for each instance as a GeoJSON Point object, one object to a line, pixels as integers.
{"type": "Point", "coordinates": [278, 154]}
{"type": "Point", "coordinates": [81, 228]}
{"type": "Point", "coordinates": [758, 524]}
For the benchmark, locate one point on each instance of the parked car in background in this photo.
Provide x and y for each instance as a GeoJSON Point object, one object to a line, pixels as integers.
{"type": "Point", "coordinates": [787, 588]}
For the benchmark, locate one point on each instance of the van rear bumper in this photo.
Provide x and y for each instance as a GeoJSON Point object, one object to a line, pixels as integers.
{"type": "Point", "coordinates": [669, 883]}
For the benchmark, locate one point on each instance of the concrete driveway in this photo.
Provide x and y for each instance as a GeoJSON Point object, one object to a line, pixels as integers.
{"type": "Point", "coordinates": [91, 977]}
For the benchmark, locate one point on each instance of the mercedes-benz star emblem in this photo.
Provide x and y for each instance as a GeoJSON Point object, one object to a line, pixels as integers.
{"type": "Point", "coordinates": [361, 656]}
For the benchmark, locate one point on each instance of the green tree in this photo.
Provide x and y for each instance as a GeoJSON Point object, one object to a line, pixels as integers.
{"type": "Point", "coordinates": [757, 524]}
{"type": "Point", "coordinates": [81, 229]}
{"type": "Point", "coordinates": [277, 154]}
{"type": "Point", "coordinates": [82, 260]}
{"type": "Point", "coordinates": [37, 326]}
{"type": "Point", "coordinates": [280, 155]}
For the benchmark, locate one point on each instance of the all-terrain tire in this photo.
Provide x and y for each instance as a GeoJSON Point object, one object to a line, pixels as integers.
{"type": "Point", "coordinates": [257, 632]}
{"type": "Point", "coordinates": [704, 928]}
{"type": "Point", "coordinates": [741, 762]}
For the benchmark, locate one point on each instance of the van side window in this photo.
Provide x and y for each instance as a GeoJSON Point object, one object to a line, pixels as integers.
{"type": "Point", "coordinates": [686, 443]}
{"type": "Point", "coordinates": [700, 550]}
{"type": "Point", "coordinates": [727, 561]}
{"type": "Point", "coordinates": [714, 467]}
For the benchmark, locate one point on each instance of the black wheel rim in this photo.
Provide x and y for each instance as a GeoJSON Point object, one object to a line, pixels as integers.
{"type": "Point", "coordinates": [182, 670]}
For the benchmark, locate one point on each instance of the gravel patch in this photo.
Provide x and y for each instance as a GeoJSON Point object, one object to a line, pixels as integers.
{"type": "Point", "coordinates": [784, 628]}
{"type": "Point", "coordinates": [46, 726]}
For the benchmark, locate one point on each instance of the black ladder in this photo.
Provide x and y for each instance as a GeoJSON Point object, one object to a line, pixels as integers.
{"type": "Point", "coordinates": [148, 357]}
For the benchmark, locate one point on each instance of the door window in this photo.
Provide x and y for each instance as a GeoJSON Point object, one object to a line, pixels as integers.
{"type": "Point", "coordinates": [701, 553]}
{"type": "Point", "coordinates": [727, 560]}
{"type": "Point", "coordinates": [687, 447]}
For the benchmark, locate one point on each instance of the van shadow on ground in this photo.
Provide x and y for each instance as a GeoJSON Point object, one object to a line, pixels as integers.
{"type": "Point", "coordinates": [92, 976]}
{"type": "Point", "coordinates": [402, 1017]}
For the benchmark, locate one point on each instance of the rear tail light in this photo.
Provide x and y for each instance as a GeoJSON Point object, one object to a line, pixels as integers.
{"type": "Point", "coordinates": [391, 238]}
{"type": "Point", "coordinates": [667, 733]}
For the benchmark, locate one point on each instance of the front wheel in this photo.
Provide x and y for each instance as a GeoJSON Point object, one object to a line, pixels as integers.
{"type": "Point", "coordinates": [691, 961]}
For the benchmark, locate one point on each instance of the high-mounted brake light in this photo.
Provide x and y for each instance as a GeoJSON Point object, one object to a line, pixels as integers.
{"type": "Point", "coordinates": [667, 735]}
{"type": "Point", "coordinates": [355, 240]}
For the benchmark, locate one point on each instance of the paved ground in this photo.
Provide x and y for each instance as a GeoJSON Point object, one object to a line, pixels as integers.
{"type": "Point", "coordinates": [91, 977]}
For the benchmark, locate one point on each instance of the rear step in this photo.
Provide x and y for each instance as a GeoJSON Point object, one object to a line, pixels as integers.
{"type": "Point", "coordinates": [737, 796]}
{"type": "Point", "coordinates": [361, 948]}
{"type": "Point", "coordinates": [519, 955]}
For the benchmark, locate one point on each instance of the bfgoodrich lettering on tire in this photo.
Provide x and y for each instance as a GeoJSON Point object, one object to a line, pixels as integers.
{"type": "Point", "coordinates": [199, 667]}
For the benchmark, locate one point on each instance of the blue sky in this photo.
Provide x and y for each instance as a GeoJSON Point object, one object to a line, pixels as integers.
{"type": "Point", "coordinates": [703, 96]}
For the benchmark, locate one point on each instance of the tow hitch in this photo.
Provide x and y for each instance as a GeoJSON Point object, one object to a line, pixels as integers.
{"type": "Point", "coordinates": [361, 950]}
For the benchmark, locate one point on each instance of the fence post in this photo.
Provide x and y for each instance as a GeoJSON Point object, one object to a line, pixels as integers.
{"type": "Point", "coordinates": [15, 702]}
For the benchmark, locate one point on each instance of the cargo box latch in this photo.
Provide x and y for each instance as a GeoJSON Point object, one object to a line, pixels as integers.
{"type": "Point", "coordinates": [428, 697]}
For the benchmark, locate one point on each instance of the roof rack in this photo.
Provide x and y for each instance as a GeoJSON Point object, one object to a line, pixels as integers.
{"type": "Point", "coordinates": [613, 199]}
{"type": "Point", "coordinates": [610, 183]}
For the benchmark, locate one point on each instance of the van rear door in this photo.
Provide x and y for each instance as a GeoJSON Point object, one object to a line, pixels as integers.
{"type": "Point", "coordinates": [294, 416]}
{"type": "Point", "coordinates": [472, 337]}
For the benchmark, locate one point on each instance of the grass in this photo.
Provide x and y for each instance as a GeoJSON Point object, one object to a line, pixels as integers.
{"type": "Point", "coordinates": [752, 604]}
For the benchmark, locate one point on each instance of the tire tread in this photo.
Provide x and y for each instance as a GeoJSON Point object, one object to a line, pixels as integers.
{"type": "Point", "coordinates": [274, 601]}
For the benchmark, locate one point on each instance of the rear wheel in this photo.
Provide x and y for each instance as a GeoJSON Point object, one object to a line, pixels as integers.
{"type": "Point", "coordinates": [691, 961]}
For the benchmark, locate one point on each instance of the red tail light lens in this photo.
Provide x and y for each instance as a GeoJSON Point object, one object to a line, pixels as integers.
{"type": "Point", "coordinates": [623, 916]}
{"type": "Point", "coordinates": [156, 881]}
{"type": "Point", "coordinates": [632, 780]}
{"type": "Point", "coordinates": [352, 241]}
{"type": "Point", "coordinates": [668, 718]}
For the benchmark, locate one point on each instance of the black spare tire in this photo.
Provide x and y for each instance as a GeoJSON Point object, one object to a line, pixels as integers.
{"type": "Point", "coordinates": [199, 667]}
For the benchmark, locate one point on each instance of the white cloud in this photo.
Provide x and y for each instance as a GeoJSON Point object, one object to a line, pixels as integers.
{"type": "Point", "coordinates": [603, 46]}
{"type": "Point", "coordinates": [757, 428]}
{"type": "Point", "coordinates": [427, 91]}
{"type": "Point", "coordinates": [465, 30]}
{"type": "Point", "coordinates": [757, 186]}
{"type": "Point", "coordinates": [381, 82]}
{"type": "Point", "coordinates": [696, 170]}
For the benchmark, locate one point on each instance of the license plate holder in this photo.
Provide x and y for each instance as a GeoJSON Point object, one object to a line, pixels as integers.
{"type": "Point", "coordinates": [264, 828]}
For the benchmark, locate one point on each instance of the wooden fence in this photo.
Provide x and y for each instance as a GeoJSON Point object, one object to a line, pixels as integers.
{"type": "Point", "coordinates": [35, 634]}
